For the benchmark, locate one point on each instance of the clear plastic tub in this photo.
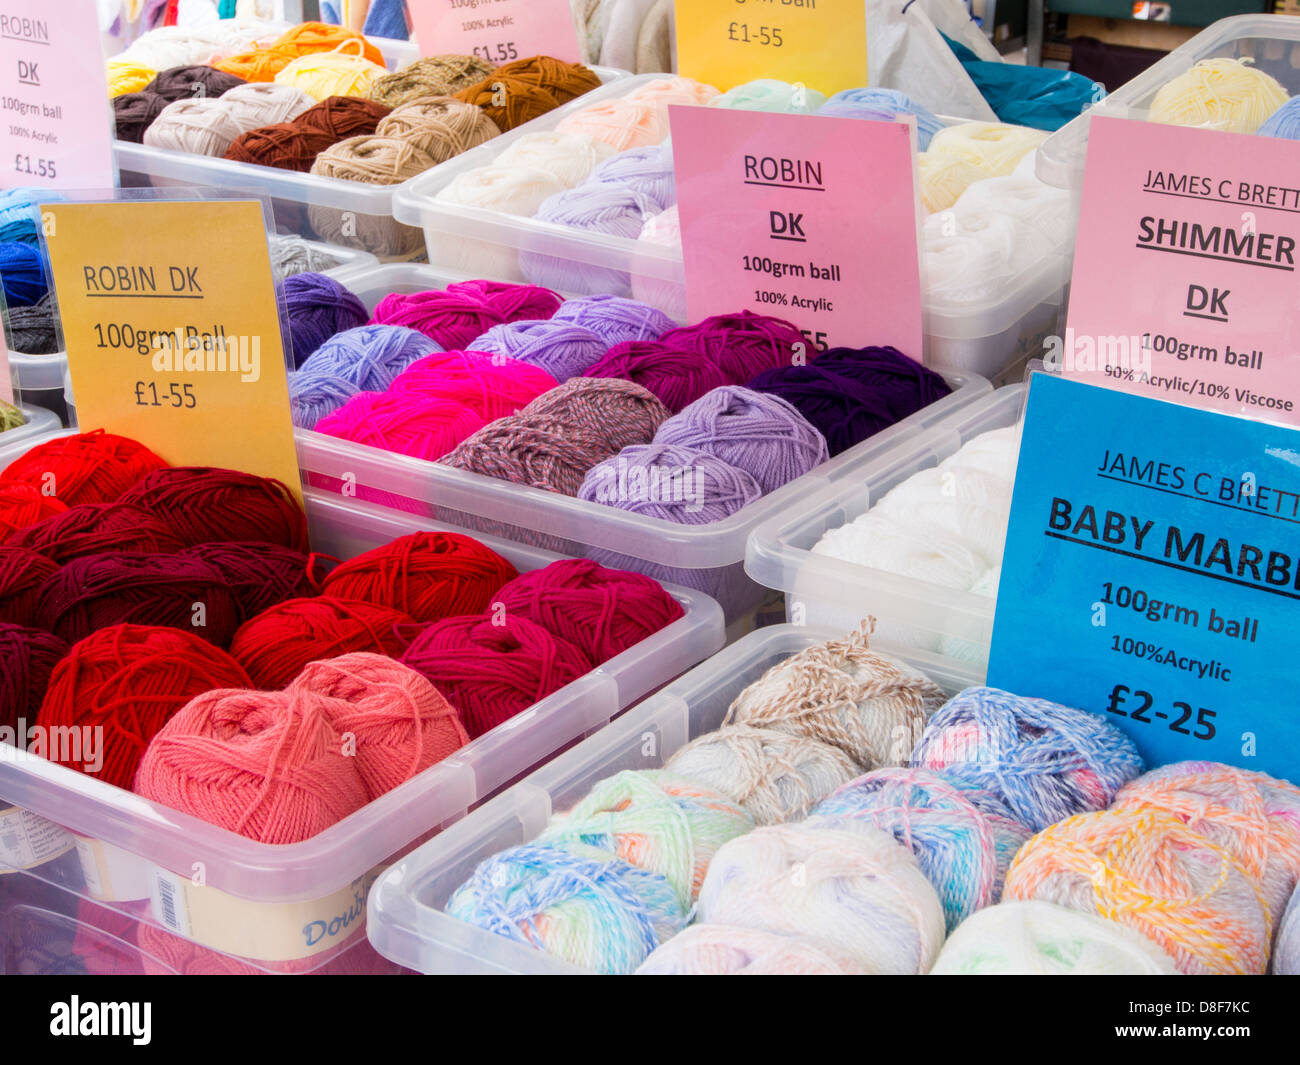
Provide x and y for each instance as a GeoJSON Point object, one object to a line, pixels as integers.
{"type": "Point", "coordinates": [829, 591]}
{"type": "Point", "coordinates": [40, 422]}
{"type": "Point", "coordinates": [366, 210]}
{"type": "Point", "coordinates": [407, 923]}
{"type": "Point", "coordinates": [992, 338]}
{"type": "Point", "coordinates": [103, 863]}
{"type": "Point", "coordinates": [702, 556]}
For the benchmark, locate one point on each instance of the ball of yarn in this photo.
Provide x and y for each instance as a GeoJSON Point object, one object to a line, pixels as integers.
{"type": "Point", "coordinates": [618, 413]}
{"type": "Point", "coordinates": [943, 177]}
{"type": "Point", "coordinates": [1043, 939]}
{"type": "Point", "coordinates": [510, 302]}
{"type": "Point", "coordinates": [434, 75]}
{"type": "Point", "coordinates": [528, 88]}
{"type": "Point", "coordinates": [616, 319]}
{"type": "Point", "coordinates": [275, 645]}
{"type": "Point", "coordinates": [1044, 760]}
{"type": "Point", "coordinates": [371, 160]}
{"type": "Point", "coordinates": [24, 274]}
{"type": "Point", "coordinates": [857, 890]}
{"type": "Point", "coordinates": [311, 38]}
{"type": "Point", "coordinates": [284, 145]}
{"type": "Point", "coordinates": [1223, 94]}
{"type": "Point", "coordinates": [621, 123]}
{"type": "Point", "coordinates": [95, 529]}
{"type": "Point", "coordinates": [127, 681]}
{"type": "Point", "coordinates": [647, 170]}
{"type": "Point", "coordinates": [969, 257]}
{"type": "Point", "coordinates": [96, 591]}
{"type": "Point", "coordinates": [871, 706]}
{"type": "Point", "coordinates": [426, 575]}
{"type": "Point", "coordinates": [22, 505]}
{"type": "Point", "coordinates": [759, 433]}
{"type": "Point", "coordinates": [963, 838]}
{"type": "Point", "coordinates": [258, 575]}
{"type": "Point", "coordinates": [1039, 207]}
{"type": "Point", "coordinates": [1286, 952]}
{"type": "Point", "coordinates": [452, 319]}
{"type": "Point", "coordinates": [994, 148]}
{"type": "Point", "coordinates": [343, 116]}
{"type": "Point", "coordinates": [724, 950]}
{"type": "Point", "coordinates": [401, 724]}
{"type": "Point", "coordinates": [776, 777]}
{"type": "Point", "coordinates": [890, 101]}
{"type": "Point", "coordinates": [264, 104]}
{"type": "Point", "coordinates": [202, 504]}
{"type": "Point", "coordinates": [742, 345]}
{"type": "Point", "coordinates": [408, 423]}
{"type": "Point", "coordinates": [257, 65]}
{"type": "Point", "coordinates": [656, 821]}
{"type": "Point", "coordinates": [576, 904]}
{"type": "Point", "coordinates": [614, 210]}
{"type": "Point", "coordinates": [1284, 122]}
{"type": "Point", "coordinates": [491, 386]}
{"type": "Point", "coordinates": [675, 375]}
{"type": "Point", "coordinates": [127, 76]}
{"type": "Point", "coordinates": [670, 483]}
{"type": "Point", "coordinates": [533, 450]}
{"type": "Point", "coordinates": [93, 467]}
{"type": "Point", "coordinates": [367, 358]}
{"type": "Point", "coordinates": [674, 90]}
{"type": "Point", "coordinates": [562, 349]}
{"type": "Point", "coordinates": [27, 658]}
{"type": "Point", "coordinates": [441, 125]}
{"type": "Point", "coordinates": [318, 307]}
{"type": "Point", "coordinates": [516, 190]}
{"type": "Point", "coordinates": [312, 396]}
{"type": "Point", "coordinates": [22, 572]}
{"type": "Point", "coordinates": [324, 74]}
{"type": "Point", "coordinates": [20, 216]}
{"type": "Point", "coordinates": [568, 157]}
{"type": "Point", "coordinates": [1150, 872]}
{"type": "Point", "coordinates": [490, 672]}
{"type": "Point", "coordinates": [200, 126]}
{"type": "Point", "coordinates": [290, 255]}
{"type": "Point", "coordinates": [600, 611]}
{"type": "Point", "coordinates": [266, 765]}
{"type": "Point", "coordinates": [772, 96]}
{"type": "Point", "coordinates": [133, 112]}
{"type": "Point", "coordinates": [11, 416]}
{"type": "Point", "coordinates": [191, 82]}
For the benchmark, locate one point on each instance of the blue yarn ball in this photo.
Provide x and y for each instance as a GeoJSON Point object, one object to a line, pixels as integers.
{"type": "Point", "coordinates": [1284, 122]}
{"type": "Point", "coordinates": [601, 913]}
{"type": "Point", "coordinates": [20, 218]}
{"type": "Point", "coordinates": [1046, 761]}
{"type": "Point", "coordinates": [25, 273]}
{"type": "Point", "coordinates": [368, 357]}
{"type": "Point", "coordinates": [312, 396]}
{"type": "Point", "coordinates": [1286, 951]}
{"type": "Point", "coordinates": [889, 101]}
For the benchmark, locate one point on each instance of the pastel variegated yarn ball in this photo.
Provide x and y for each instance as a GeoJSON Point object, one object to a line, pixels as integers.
{"type": "Point", "coordinates": [1286, 951]}
{"type": "Point", "coordinates": [727, 950]}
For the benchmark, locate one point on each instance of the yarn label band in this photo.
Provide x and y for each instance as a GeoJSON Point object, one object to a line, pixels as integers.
{"type": "Point", "coordinates": [499, 32]}
{"type": "Point", "coordinates": [56, 129]}
{"type": "Point", "coordinates": [28, 840]}
{"type": "Point", "coordinates": [173, 330]}
{"type": "Point", "coordinates": [1153, 580]}
{"type": "Point", "coordinates": [813, 220]}
{"type": "Point", "coordinates": [819, 43]}
{"type": "Point", "coordinates": [1188, 250]}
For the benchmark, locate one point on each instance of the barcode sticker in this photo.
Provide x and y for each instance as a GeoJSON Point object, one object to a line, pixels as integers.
{"type": "Point", "coordinates": [169, 902]}
{"type": "Point", "coordinates": [27, 840]}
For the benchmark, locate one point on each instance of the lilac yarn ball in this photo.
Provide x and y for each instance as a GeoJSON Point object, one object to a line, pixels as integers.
{"type": "Point", "coordinates": [318, 307]}
{"type": "Point", "coordinates": [616, 319]}
{"type": "Point", "coordinates": [759, 433]}
{"type": "Point", "coordinates": [648, 170]}
{"type": "Point", "coordinates": [891, 102]}
{"type": "Point", "coordinates": [563, 349]}
{"type": "Point", "coordinates": [601, 209]}
{"type": "Point", "coordinates": [678, 484]}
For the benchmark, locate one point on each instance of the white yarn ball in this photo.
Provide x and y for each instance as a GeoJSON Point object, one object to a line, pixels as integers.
{"type": "Point", "coordinates": [567, 157]}
{"type": "Point", "coordinates": [774, 776]}
{"type": "Point", "coordinates": [264, 103]}
{"type": "Point", "coordinates": [859, 890]}
{"type": "Point", "coordinates": [882, 541]}
{"type": "Point", "coordinates": [1028, 165]}
{"type": "Point", "coordinates": [202, 126]}
{"type": "Point", "coordinates": [515, 190]}
{"type": "Point", "coordinates": [1043, 939]}
{"type": "Point", "coordinates": [1286, 951]}
{"type": "Point", "coordinates": [725, 950]}
{"type": "Point", "coordinates": [967, 259]}
{"type": "Point", "coordinates": [1039, 208]}
{"type": "Point", "coordinates": [996, 452]}
{"type": "Point", "coordinates": [168, 46]}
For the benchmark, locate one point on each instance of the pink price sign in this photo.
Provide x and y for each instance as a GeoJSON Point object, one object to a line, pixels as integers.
{"type": "Point", "coordinates": [499, 31]}
{"type": "Point", "coordinates": [57, 124]}
{"type": "Point", "coordinates": [1184, 283]}
{"type": "Point", "coordinates": [805, 218]}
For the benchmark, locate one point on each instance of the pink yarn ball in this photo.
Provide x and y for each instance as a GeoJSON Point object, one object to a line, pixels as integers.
{"type": "Point", "coordinates": [409, 423]}
{"type": "Point", "coordinates": [512, 302]}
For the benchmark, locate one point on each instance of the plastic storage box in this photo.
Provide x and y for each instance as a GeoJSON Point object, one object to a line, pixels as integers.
{"type": "Point", "coordinates": [989, 338]}
{"type": "Point", "coordinates": [709, 557]}
{"type": "Point", "coordinates": [829, 591]}
{"type": "Point", "coordinates": [103, 863]}
{"type": "Point", "coordinates": [407, 922]}
{"type": "Point", "coordinates": [40, 423]}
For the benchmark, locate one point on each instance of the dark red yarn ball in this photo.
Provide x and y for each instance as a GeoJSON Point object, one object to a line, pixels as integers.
{"type": "Point", "coordinates": [259, 575]}
{"type": "Point", "coordinates": [275, 645]}
{"type": "Point", "coordinates": [95, 467]}
{"type": "Point", "coordinates": [27, 658]}
{"type": "Point", "coordinates": [283, 145]}
{"type": "Point", "coordinates": [97, 591]}
{"type": "Point", "coordinates": [203, 504]}
{"type": "Point", "coordinates": [427, 575]}
{"type": "Point", "coordinates": [22, 573]}
{"type": "Point", "coordinates": [340, 117]}
{"type": "Point", "coordinates": [490, 672]}
{"type": "Point", "coordinates": [96, 529]}
{"type": "Point", "coordinates": [599, 610]}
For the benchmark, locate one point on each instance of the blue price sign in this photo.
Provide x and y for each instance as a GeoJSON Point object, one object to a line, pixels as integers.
{"type": "Point", "coordinates": [1152, 574]}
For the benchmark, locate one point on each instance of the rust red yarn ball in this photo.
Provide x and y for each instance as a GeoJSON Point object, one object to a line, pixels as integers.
{"type": "Point", "coordinates": [22, 504]}
{"type": "Point", "coordinates": [22, 572]}
{"type": "Point", "coordinates": [128, 681]}
{"type": "Point", "coordinates": [97, 528]}
{"type": "Point", "coordinates": [427, 575]}
{"type": "Point", "coordinates": [27, 658]}
{"type": "Point", "coordinates": [280, 641]}
{"type": "Point", "coordinates": [259, 575]}
{"type": "Point", "coordinates": [95, 467]}
{"type": "Point", "coordinates": [490, 672]}
{"type": "Point", "coordinates": [203, 504]}
{"type": "Point", "coordinates": [601, 611]}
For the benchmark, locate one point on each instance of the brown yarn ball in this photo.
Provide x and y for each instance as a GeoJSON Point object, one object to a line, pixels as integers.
{"type": "Point", "coordinates": [344, 116]}
{"type": "Point", "coordinates": [442, 125]}
{"type": "Point", "coordinates": [132, 113]}
{"type": "Point", "coordinates": [192, 83]}
{"type": "Point", "coordinates": [284, 145]}
{"type": "Point", "coordinates": [435, 75]}
{"type": "Point", "coordinates": [528, 88]}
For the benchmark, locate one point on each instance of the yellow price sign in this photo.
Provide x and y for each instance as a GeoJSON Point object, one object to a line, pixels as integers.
{"type": "Point", "coordinates": [173, 332]}
{"type": "Point", "coordinates": [818, 43]}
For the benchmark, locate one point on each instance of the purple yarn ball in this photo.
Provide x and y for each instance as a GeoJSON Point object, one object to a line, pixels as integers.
{"type": "Point", "coordinates": [648, 170]}
{"type": "Point", "coordinates": [678, 484]}
{"type": "Point", "coordinates": [616, 319]}
{"type": "Point", "coordinates": [318, 307]}
{"type": "Point", "coordinates": [598, 209]}
{"type": "Point", "coordinates": [563, 349]}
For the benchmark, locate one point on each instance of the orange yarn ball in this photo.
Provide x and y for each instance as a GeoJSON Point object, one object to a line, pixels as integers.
{"type": "Point", "coordinates": [260, 65]}
{"type": "Point", "coordinates": [309, 37]}
{"type": "Point", "coordinates": [22, 505]}
{"type": "Point", "coordinates": [94, 467]}
{"type": "Point", "coordinates": [528, 88]}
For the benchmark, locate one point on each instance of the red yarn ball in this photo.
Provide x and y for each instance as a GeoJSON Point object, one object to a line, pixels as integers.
{"type": "Point", "coordinates": [491, 672]}
{"type": "Point", "coordinates": [426, 575]}
{"type": "Point", "coordinates": [22, 505]}
{"type": "Point", "coordinates": [276, 645]}
{"type": "Point", "coordinates": [94, 529]}
{"type": "Point", "coordinates": [22, 572]}
{"type": "Point", "coordinates": [27, 658]}
{"type": "Point", "coordinates": [601, 611]}
{"type": "Point", "coordinates": [97, 591]}
{"type": "Point", "coordinates": [259, 575]}
{"type": "Point", "coordinates": [401, 724]}
{"type": "Point", "coordinates": [95, 467]}
{"type": "Point", "coordinates": [203, 504]}
{"type": "Point", "coordinates": [128, 681]}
